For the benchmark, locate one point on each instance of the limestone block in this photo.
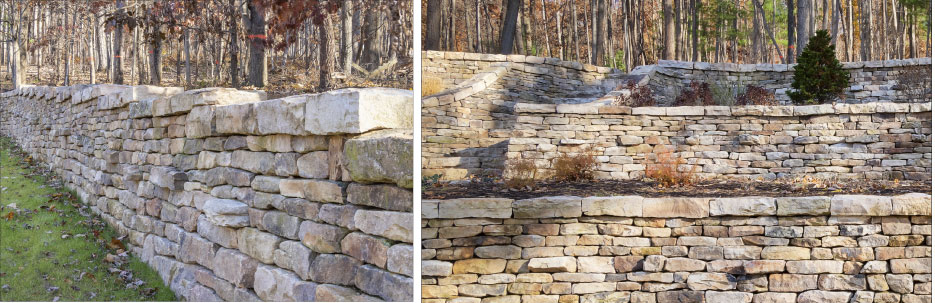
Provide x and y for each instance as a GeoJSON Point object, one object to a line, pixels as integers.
{"type": "Point", "coordinates": [384, 284]}
{"type": "Point", "coordinates": [553, 264]}
{"type": "Point", "coordinates": [199, 122]}
{"type": "Point", "coordinates": [675, 207]}
{"type": "Point", "coordinates": [548, 207]}
{"type": "Point", "coordinates": [226, 212]}
{"type": "Point", "coordinates": [313, 165]}
{"type": "Point", "coordinates": [366, 248]}
{"type": "Point", "coordinates": [475, 208]}
{"type": "Point", "coordinates": [479, 266]}
{"type": "Point", "coordinates": [258, 244]}
{"type": "Point", "coordinates": [334, 269]}
{"type": "Point", "coordinates": [912, 204]}
{"type": "Point", "coordinates": [382, 196]}
{"type": "Point", "coordinates": [356, 111]}
{"type": "Point", "coordinates": [711, 281]}
{"type": "Point", "coordinates": [380, 157]}
{"type": "Point", "coordinates": [745, 206]}
{"type": "Point", "coordinates": [322, 238]}
{"type": "Point", "coordinates": [282, 116]}
{"type": "Point", "coordinates": [388, 224]}
{"type": "Point", "coordinates": [809, 206]}
{"type": "Point", "coordinates": [236, 119]}
{"type": "Point", "coordinates": [623, 206]}
{"type": "Point", "coordinates": [277, 284]}
{"type": "Point", "coordinates": [237, 268]}
{"type": "Point", "coordinates": [861, 205]}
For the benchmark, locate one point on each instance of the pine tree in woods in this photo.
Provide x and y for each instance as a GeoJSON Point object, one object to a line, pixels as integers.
{"type": "Point", "coordinates": [818, 76]}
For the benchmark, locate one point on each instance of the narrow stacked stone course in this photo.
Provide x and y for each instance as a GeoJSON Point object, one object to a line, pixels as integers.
{"type": "Point", "coordinates": [230, 196]}
{"type": "Point", "coordinates": [839, 249]}
{"type": "Point", "coordinates": [497, 101]}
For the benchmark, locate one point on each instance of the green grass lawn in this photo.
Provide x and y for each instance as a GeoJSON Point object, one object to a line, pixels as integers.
{"type": "Point", "coordinates": [53, 247]}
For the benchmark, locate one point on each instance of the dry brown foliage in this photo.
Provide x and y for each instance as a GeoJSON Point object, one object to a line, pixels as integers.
{"type": "Point", "coordinates": [575, 167]}
{"type": "Point", "coordinates": [755, 95]}
{"type": "Point", "coordinates": [665, 170]}
{"type": "Point", "coordinates": [520, 173]}
{"type": "Point", "coordinates": [639, 96]}
{"type": "Point", "coordinates": [697, 93]}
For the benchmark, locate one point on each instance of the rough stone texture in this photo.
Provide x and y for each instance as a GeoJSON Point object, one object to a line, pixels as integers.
{"type": "Point", "coordinates": [214, 186]}
{"type": "Point", "coordinates": [489, 113]}
{"type": "Point", "coordinates": [635, 249]}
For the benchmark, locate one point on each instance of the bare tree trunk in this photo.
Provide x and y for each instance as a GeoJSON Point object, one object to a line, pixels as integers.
{"type": "Point", "coordinates": [155, 59]}
{"type": "Point", "coordinates": [804, 17]}
{"type": "Point", "coordinates": [509, 27]}
{"type": "Point", "coordinates": [790, 31]}
{"type": "Point", "coordinates": [259, 72]}
{"type": "Point", "coordinates": [188, 59]}
{"type": "Point", "coordinates": [234, 49]}
{"type": "Point", "coordinates": [669, 29]}
{"type": "Point", "coordinates": [574, 19]}
{"type": "Point", "coordinates": [118, 37]}
{"type": "Point", "coordinates": [325, 54]}
{"type": "Point", "coordinates": [561, 41]}
{"type": "Point", "coordinates": [347, 30]}
{"type": "Point", "coordinates": [545, 26]}
{"type": "Point", "coordinates": [694, 30]}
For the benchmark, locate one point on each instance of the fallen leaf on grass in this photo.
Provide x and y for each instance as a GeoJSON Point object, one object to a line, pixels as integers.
{"type": "Point", "coordinates": [9, 216]}
{"type": "Point", "coordinates": [115, 244]}
{"type": "Point", "coordinates": [110, 258]}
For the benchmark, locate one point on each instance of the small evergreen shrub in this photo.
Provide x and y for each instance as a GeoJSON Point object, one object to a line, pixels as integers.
{"type": "Point", "coordinates": [819, 77]}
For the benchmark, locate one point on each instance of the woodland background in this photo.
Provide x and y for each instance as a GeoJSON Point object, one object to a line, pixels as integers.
{"type": "Point", "coordinates": [628, 33]}
{"type": "Point", "coordinates": [284, 47]}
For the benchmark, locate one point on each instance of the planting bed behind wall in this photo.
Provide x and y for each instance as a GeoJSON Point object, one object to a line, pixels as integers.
{"type": "Point", "coordinates": [838, 249]}
{"type": "Point", "coordinates": [233, 197]}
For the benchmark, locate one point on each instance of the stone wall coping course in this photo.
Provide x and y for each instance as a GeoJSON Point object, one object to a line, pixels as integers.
{"type": "Point", "coordinates": [343, 111]}
{"type": "Point", "coordinates": [758, 110]}
{"type": "Point", "coordinates": [733, 67]}
{"type": "Point", "coordinates": [910, 204]}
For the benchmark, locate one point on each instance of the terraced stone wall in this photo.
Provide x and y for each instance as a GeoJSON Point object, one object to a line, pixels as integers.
{"type": "Point", "coordinates": [848, 141]}
{"type": "Point", "coordinates": [230, 196]}
{"type": "Point", "coordinates": [467, 128]}
{"type": "Point", "coordinates": [839, 249]}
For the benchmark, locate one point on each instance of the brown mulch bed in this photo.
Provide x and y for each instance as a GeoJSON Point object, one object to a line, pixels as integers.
{"type": "Point", "coordinates": [706, 188]}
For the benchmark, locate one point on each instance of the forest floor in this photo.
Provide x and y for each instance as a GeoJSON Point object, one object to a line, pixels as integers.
{"type": "Point", "coordinates": [702, 188]}
{"type": "Point", "coordinates": [283, 81]}
{"type": "Point", "coordinates": [54, 248]}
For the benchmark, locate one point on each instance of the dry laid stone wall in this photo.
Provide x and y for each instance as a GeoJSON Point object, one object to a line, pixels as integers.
{"type": "Point", "coordinates": [853, 141]}
{"type": "Point", "coordinates": [904, 80]}
{"type": "Point", "coordinates": [837, 249]}
{"type": "Point", "coordinates": [230, 196]}
{"type": "Point", "coordinates": [485, 118]}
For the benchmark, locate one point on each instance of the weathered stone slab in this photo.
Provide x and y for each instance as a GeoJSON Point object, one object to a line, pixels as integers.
{"type": "Point", "coordinates": [356, 111]}
{"type": "Point", "coordinates": [380, 157]}
{"type": "Point", "coordinates": [548, 207]}
{"type": "Point", "coordinates": [623, 206]}
{"type": "Point", "coordinates": [475, 208]}
{"type": "Point", "coordinates": [745, 206]}
{"type": "Point", "coordinates": [388, 224]}
{"type": "Point", "coordinates": [912, 204]}
{"type": "Point", "coordinates": [861, 205]}
{"type": "Point", "coordinates": [808, 206]}
{"type": "Point", "coordinates": [281, 116]}
{"type": "Point", "coordinates": [675, 207]}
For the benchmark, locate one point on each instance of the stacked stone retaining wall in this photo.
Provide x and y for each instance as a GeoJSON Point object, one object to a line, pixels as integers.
{"type": "Point", "coordinates": [466, 129]}
{"type": "Point", "coordinates": [846, 141]}
{"type": "Point", "coordinates": [233, 197]}
{"type": "Point", "coordinates": [837, 249]}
